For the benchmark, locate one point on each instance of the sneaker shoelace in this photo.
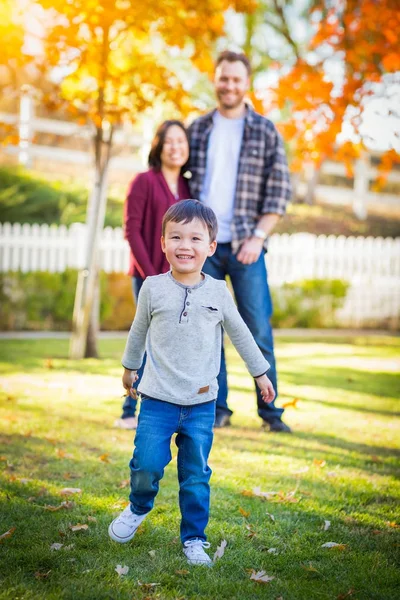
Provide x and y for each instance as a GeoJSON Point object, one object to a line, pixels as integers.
{"type": "Point", "coordinates": [197, 546]}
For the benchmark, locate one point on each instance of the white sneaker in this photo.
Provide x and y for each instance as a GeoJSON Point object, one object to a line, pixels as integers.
{"type": "Point", "coordinates": [128, 423]}
{"type": "Point", "coordinates": [194, 552]}
{"type": "Point", "coordinates": [124, 527]}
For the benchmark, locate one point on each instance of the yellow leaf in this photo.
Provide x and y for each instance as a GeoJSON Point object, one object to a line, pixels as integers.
{"type": "Point", "coordinates": [319, 463]}
{"type": "Point", "coordinates": [105, 457]}
{"type": "Point", "coordinates": [293, 403]}
{"type": "Point", "coordinates": [243, 512]}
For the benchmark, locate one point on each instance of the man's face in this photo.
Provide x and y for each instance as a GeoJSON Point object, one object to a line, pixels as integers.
{"type": "Point", "coordinates": [231, 83]}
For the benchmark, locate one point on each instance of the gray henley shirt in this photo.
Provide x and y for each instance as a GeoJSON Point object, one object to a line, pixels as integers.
{"type": "Point", "coordinates": [180, 328]}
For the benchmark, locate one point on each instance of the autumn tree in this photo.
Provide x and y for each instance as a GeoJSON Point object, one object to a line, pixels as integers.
{"type": "Point", "coordinates": [114, 58]}
{"type": "Point", "coordinates": [12, 62]}
{"type": "Point", "coordinates": [348, 61]}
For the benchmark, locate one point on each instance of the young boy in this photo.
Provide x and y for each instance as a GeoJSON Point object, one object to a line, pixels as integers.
{"type": "Point", "coordinates": [178, 322]}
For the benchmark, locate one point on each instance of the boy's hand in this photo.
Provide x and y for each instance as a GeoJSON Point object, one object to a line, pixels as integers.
{"type": "Point", "coordinates": [128, 379]}
{"type": "Point", "coordinates": [266, 388]}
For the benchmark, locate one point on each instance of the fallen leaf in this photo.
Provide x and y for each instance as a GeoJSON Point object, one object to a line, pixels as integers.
{"type": "Point", "coordinates": [319, 463]}
{"type": "Point", "coordinates": [375, 458]}
{"type": "Point", "coordinates": [182, 572]}
{"type": "Point", "coordinates": [67, 504]}
{"type": "Point", "coordinates": [247, 493]}
{"type": "Point", "coordinates": [152, 553]}
{"type": "Point", "coordinates": [56, 546]}
{"type": "Point", "coordinates": [69, 547]}
{"type": "Point", "coordinates": [243, 512]}
{"type": "Point", "coordinates": [124, 484]}
{"type": "Point", "coordinates": [69, 491]}
{"type": "Point", "coordinates": [346, 595]}
{"type": "Point", "coordinates": [327, 524]}
{"type": "Point", "coordinates": [48, 363]}
{"type": "Point", "coordinates": [257, 492]}
{"type": "Point", "coordinates": [272, 551]}
{"type": "Point", "coordinates": [121, 570]}
{"type": "Point", "coordinates": [292, 403]}
{"type": "Point", "coordinates": [41, 574]}
{"type": "Point", "coordinates": [251, 531]}
{"type": "Point", "coordinates": [392, 524]}
{"type": "Point", "coordinates": [270, 516]}
{"type": "Point", "coordinates": [92, 519]}
{"type": "Point", "coordinates": [63, 454]}
{"type": "Point", "coordinates": [24, 480]}
{"type": "Point", "coordinates": [376, 531]}
{"type": "Point", "coordinates": [334, 545]}
{"type": "Point", "coordinates": [310, 568]}
{"type": "Point", "coordinates": [8, 533]}
{"type": "Point", "coordinates": [148, 585]}
{"type": "Point", "coordinates": [301, 471]}
{"type": "Point", "coordinates": [78, 527]}
{"type": "Point", "coordinates": [261, 577]}
{"type": "Point", "coordinates": [220, 550]}
{"type": "Point", "coordinates": [105, 457]}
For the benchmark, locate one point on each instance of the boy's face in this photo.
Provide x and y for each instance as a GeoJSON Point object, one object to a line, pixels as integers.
{"type": "Point", "coordinates": [187, 245]}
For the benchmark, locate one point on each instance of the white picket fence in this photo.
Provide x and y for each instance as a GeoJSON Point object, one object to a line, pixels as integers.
{"type": "Point", "coordinates": [370, 265]}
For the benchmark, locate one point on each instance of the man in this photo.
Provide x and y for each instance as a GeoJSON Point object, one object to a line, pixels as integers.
{"type": "Point", "coordinates": [239, 169]}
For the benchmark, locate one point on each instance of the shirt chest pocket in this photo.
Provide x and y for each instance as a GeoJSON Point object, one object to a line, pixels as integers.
{"type": "Point", "coordinates": [253, 157]}
{"type": "Point", "coordinates": [210, 315]}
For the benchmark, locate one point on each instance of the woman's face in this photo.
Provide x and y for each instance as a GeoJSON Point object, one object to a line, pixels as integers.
{"type": "Point", "coordinates": [175, 151]}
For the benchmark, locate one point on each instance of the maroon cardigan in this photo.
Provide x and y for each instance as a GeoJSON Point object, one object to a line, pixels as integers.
{"type": "Point", "coordinates": [148, 199]}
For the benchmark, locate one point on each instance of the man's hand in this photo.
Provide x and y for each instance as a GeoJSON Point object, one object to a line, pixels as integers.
{"type": "Point", "coordinates": [128, 379]}
{"type": "Point", "coordinates": [250, 250]}
{"type": "Point", "coordinates": [266, 388]}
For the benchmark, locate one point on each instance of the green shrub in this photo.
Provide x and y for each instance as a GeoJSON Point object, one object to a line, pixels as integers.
{"type": "Point", "coordinates": [42, 301]}
{"type": "Point", "coordinates": [311, 303]}
{"type": "Point", "coordinates": [26, 198]}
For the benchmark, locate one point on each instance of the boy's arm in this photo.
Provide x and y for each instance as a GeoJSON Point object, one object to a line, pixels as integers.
{"type": "Point", "coordinates": [136, 342]}
{"type": "Point", "coordinates": [244, 343]}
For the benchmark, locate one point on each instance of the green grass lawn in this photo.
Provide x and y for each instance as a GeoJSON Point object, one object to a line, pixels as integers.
{"type": "Point", "coordinates": [339, 466]}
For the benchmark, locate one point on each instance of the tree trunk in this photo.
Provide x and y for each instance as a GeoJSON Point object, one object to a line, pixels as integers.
{"type": "Point", "coordinates": [80, 345]}
{"type": "Point", "coordinates": [91, 350]}
{"type": "Point", "coordinates": [312, 183]}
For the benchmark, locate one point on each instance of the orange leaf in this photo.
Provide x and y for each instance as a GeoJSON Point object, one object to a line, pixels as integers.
{"type": "Point", "coordinates": [293, 403]}
{"type": "Point", "coordinates": [319, 463]}
{"type": "Point", "coordinates": [8, 533]}
{"type": "Point", "coordinates": [105, 457]}
{"type": "Point", "coordinates": [243, 512]}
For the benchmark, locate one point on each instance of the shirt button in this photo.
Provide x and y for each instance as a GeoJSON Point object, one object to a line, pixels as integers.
{"type": "Point", "coordinates": [187, 303]}
{"type": "Point", "coordinates": [185, 314]}
{"type": "Point", "coordinates": [189, 291]}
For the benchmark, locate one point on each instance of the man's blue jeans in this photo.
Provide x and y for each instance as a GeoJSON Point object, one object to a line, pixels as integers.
{"type": "Point", "coordinates": [158, 421]}
{"type": "Point", "coordinates": [130, 404]}
{"type": "Point", "coordinates": [253, 299]}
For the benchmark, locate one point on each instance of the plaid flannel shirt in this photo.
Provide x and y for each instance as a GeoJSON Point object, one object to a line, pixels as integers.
{"type": "Point", "coordinates": [263, 182]}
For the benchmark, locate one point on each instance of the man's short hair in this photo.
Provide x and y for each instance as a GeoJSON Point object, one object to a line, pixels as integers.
{"type": "Point", "coordinates": [231, 57]}
{"type": "Point", "coordinates": [186, 211]}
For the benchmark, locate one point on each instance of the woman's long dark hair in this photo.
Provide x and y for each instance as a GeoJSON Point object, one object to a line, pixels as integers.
{"type": "Point", "coordinates": [158, 143]}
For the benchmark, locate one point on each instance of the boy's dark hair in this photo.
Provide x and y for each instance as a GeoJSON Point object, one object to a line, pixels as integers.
{"type": "Point", "coordinates": [186, 211]}
{"type": "Point", "coordinates": [157, 144]}
{"type": "Point", "coordinates": [230, 56]}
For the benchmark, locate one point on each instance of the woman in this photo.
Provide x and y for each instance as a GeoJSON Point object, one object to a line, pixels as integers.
{"type": "Point", "coordinates": [150, 195]}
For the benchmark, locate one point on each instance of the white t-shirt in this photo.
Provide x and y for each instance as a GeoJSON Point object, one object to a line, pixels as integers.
{"type": "Point", "coordinates": [219, 185]}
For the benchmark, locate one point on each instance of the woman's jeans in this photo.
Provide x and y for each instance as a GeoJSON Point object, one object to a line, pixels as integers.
{"type": "Point", "coordinates": [129, 405]}
{"type": "Point", "coordinates": [158, 421]}
{"type": "Point", "coordinates": [253, 299]}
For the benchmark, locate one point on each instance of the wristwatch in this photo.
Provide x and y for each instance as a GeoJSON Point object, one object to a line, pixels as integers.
{"type": "Point", "coordinates": [260, 233]}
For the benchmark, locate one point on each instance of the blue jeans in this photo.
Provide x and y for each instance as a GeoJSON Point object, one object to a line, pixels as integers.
{"type": "Point", "coordinates": [130, 404]}
{"type": "Point", "coordinates": [158, 421]}
{"type": "Point", "coordinates": [253, 299]}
